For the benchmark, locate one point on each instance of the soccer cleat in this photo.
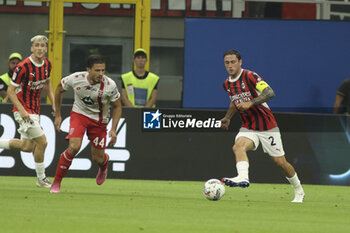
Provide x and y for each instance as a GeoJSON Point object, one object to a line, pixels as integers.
{"type": "Point", "coordinates": [236, 182]}
{"type": "Point", "coordinates": [298, 197]}
{"type": "Point", "coordinates": [102, 174]}
{"type": "Point", "coordinates": [55, 187]}
{"type": "Point", "coordinates": [43, 183]}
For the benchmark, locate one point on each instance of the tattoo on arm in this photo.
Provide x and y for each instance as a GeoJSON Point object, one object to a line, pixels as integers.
{"type": "Point", "coordinates": [265, 96]}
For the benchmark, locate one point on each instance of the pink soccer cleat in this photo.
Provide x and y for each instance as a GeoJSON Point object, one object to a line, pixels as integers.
{"type": "Point", "coordinates": [55, 187]}
{"type": "Point", "coordinates": [102, 174]}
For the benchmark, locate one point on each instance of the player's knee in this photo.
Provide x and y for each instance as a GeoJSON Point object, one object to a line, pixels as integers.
{"type": "Point", "coordinates": [280, 162]}
{"type": "Point", "coordinates": [28, 148]}
{"type": "Point", "coordinates": [73, 149]}
{"type": "Point", "coordinates": [237, 148]}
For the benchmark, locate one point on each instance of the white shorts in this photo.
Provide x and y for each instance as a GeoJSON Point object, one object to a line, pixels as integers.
{"type": "Point", "coordinates": [270, 140]}
{"type": "Point", "coordinates": [29, 130]}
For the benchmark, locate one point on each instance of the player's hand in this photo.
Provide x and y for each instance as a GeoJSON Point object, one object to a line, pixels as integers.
{"type": "Point", "coordinates": [25, 116]}
{"type": "Point", "coordinates": [225, 122]}
{"type": "Point", "coordinates": [57, 123]}
{"type": "Point", "coordinates": [244, 105]}
{"type": "Point", "coordinates": [113, 135]}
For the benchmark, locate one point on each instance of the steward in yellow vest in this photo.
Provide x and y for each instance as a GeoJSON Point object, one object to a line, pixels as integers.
{"type": "Point", "coordinates": [5, 79]}
{"type": "Point", "coordinates": [139, 87]}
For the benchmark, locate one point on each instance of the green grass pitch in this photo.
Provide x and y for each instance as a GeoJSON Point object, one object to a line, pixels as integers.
{"type": "Point", "coordinates": [168, 207]}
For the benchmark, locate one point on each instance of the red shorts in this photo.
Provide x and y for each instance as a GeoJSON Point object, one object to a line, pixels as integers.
{"type": "Point", "coordinates": [95, 131]}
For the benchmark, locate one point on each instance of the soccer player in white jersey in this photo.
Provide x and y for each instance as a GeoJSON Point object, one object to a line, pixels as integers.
{"type": "Point", "coordinates": [93, 94]}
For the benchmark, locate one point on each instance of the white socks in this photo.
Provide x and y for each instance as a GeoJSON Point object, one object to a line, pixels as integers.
{"type": "Point", "coordinates": [295, 182]}
{"type": "Point", "coordinates": [242, 169]}
{"type": "Point", "coordinates": [5, 144]}
{"type": "Point", "coordinates": [40, 170]}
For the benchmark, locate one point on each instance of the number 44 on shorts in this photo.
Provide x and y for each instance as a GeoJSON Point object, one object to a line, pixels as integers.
{"type": "Point", "coordinates": [99, 143]}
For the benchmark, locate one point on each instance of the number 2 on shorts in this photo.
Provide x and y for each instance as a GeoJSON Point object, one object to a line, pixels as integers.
{"type": "Point", "coordinates": [272, 141]}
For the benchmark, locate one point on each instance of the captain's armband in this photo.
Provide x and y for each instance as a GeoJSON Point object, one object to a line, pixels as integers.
{"type": "Point", "coordinates": [260, 86]}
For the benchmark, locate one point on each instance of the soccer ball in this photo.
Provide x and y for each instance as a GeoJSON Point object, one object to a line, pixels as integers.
{"type": "Point", "coordinates": [213, 189]}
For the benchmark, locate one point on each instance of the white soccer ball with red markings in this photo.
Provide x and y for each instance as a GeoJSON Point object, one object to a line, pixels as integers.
{"type": "Point", "coordinates": [213, 189]}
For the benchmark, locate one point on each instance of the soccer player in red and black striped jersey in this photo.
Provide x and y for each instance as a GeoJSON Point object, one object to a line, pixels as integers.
{"type": "Point", "coordinates": [249, 93]}
{"type": "Point", "coordinates": [29, 78]}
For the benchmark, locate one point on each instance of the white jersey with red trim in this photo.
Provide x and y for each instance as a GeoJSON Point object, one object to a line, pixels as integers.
{"type": "Point", "coordinates": [92, 101]}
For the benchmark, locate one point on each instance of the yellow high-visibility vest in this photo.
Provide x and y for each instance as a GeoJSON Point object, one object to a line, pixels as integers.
{"type": "Point", "coordinates": [7, 79]}
{"type": "Point", "coordinates": [138, 90]}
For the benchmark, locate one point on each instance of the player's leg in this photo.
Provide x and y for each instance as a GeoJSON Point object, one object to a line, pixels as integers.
{"type": "Point", "coordinates": [102, 159]}
{"type": "Point", "coordinates": [33, 139]}
{"type": "Point", "coordinates": [245, 141]}
{"type": "Point", "coordinates": [97, 135]}
{"type": "Point", "coordinates": [272, 144]}
{"type": "Point", "coordinates": [39, 152]}
{"type": "Point", "coordinates": [291, 176]}
{"type": "Point", "coordinates": [64, 163]}
{"type": "Point", "coordinates": [23, 144]}
{"type": "Point", "coordinates": [77, 130]}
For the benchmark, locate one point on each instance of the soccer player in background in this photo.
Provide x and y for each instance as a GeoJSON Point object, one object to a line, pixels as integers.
{"type": "Point", "coordinates": [93, 94]}
{"type": "Point", "coordinates": [29, 77]}
{"type": "Point", "coordinates": [249, 93]}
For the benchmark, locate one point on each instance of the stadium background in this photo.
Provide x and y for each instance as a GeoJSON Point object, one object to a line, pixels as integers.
{"type": "Point", "coordinates": [178, 39]}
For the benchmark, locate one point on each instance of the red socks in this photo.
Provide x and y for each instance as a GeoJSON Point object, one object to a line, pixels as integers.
{"type": "Point", "coordinates": [63, 165]}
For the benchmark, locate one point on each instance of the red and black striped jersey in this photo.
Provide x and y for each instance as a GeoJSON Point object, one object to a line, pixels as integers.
{"type": "Point", "coordinates": [29, 78]}
{"type": "Point", "coordinates": [243, 89]}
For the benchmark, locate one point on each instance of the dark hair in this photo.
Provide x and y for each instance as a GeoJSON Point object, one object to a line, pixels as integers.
{"type": "Point", "coordinates": [95, 59]}
{"type": "Point", "coordinates": [233, 52]}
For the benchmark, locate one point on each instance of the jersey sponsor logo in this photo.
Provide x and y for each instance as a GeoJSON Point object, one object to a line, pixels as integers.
{"type": "Point", "coordinates": [87, 100]}
{"type": "Point", "coordinates": [37, 84]}
{"type": "Point", "coordinates": [242, 97]}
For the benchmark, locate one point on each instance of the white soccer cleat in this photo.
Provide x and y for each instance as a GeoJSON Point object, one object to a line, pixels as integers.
{"type": "Point", "coordinates": [43, 183]}
{"type": "Point", "coordinates": [298, 197]}
{"type": "Point", "coordinates": [236, 182]}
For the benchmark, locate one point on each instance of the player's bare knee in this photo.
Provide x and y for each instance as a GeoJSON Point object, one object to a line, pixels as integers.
{"type": "Point", "coordinates": [28, 148]}
{"type": "Point", "coordinates": [279, 161]}
{"type": "Point", "coordinates": [237, 148]}
{"type": "Point", "coordinates": [73, 149]}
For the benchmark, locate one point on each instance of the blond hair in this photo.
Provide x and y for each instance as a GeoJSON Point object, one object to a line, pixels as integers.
{"type": "Point", "coordinates": [39, 37]}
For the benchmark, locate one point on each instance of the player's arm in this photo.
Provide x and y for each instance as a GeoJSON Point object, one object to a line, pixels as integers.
{"type": "Point", "coordinates": [58, 102]}
{"type": "Point", "coordinates": [225, 122]}
{"type": "Point", "coordinates": [266, 94]}
{"type": "Point", "coordinates": [49, 92]}
{"type": "Point", "coordinates": [125, 99]}
{"type": "Point", "coordinates": [338, 100]}
{"type": "Point", "coordinates": [116, 115]}
{"type": "Point", "coordinates": [11, 93]}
